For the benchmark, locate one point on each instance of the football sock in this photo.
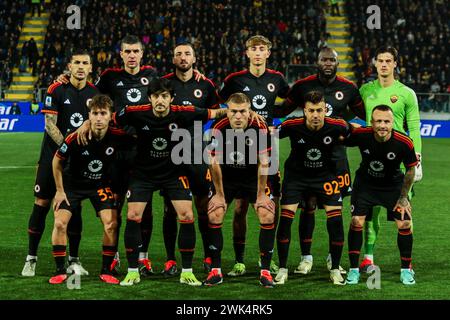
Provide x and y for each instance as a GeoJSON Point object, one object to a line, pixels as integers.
{"type": "Point", "coordinates": [336, 233]}
{"type": "Point", "coordinates": [132, 242]}
{"type": "Point", "coordinates": [266, 243]}
{"type": "Point", "coordinates": [146, 227]}
{"type": "Point", "coordinates": [186, 242]}
{"type": "Point", "coordinates": [59, 253]}
{"type": "Point", "coordinates": [108, 253]}
{"type": "Point", "coordinates": [239, 249]}
{"type": "Point", "coordinates": [203, 227]}
{"type": "Point", "coordinates": [306, 229]}
{"type": "Point", "coordinates": [371, 231]}
{"type": "Point", "coordinates": [216, 242]}
{"type": "Point", "coordinates": [36, 226]}
{"type": "Point", "coordinates": [284, 235]}
{"type": "Point", "coordinates": [74, 229]}
{"type": "Point", "coordinates": [170, 230]}
{"type": "Point", "coordinates": [354, 245]}
{"type": "Point", "coordinates": [405, 242]}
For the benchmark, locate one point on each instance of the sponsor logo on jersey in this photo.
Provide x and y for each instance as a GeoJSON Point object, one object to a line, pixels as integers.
{"type": "Point", "coordinates": [95, 166]}
{"type": "Point", "coordinates": [134, 95]}
{"type": "Point", "coordinates": [376, 166]}
{"type": "Point", "coordinates": [314, 154]}
{"type": "Point", "coordinates": [76, 120]}
{"type": "Point", "coordinates": [159, 144]}
{"type": "Point", "coordinates": [259, 101]}
{"type": "Point", "coordinates": [329, 109]}
{"type": "Point", "coordinates": [236, 157]}
{"type": "Point", "coordinates": [37, 188]}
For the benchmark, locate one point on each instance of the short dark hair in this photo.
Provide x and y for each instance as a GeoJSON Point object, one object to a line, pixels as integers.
{"type": "Point", "coordinates": [314, 97]}
{"type": "Point", "coordinates": [80, 52]}
{"type": "Point", "coordinates": [130, 39]}
{"type": "Point", "coordinates": [101, 101]}
{"type": "Point", "coordinates": [184, 43]}
{"type": "Point", "coordinates": [158, 85]}
{"type": "Point", "coordinates": [238, 98]}
{"type": "Point", "coordinates": [387, 49]}
{"type": "Point", "coordinates": [382, 107]}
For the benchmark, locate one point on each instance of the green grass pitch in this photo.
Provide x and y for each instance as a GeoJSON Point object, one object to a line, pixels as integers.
{"type": "Point", "coordinates": [19, 153]}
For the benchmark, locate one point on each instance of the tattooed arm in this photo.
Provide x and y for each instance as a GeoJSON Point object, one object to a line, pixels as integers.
{"type": "Point", "coordinates": [403, 206]}
{"type": "Point", "coordinates": [52, 129]}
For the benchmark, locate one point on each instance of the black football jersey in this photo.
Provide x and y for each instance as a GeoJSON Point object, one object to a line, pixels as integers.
{"type": "Point", "coordinates": [238, 150]}
{"type": "Point", "coordinates": [154, 143]}
{"type": "Point", "coordinates": [338, 95]}
{"type": "Point", "coordinates": [201, 94]}
{"type": "Point", "coordinates": [124, 88]}
{"type": "Point", "coordinates": [89, 166]}
{"type": "Point", "coordinates": [380, 164]}
{"type": "Point", "coordinates": [70, 105]}
{"type": "Point", "coordinates": [262, 91]}
{"type": "Point", "coordinates": [311, 151]}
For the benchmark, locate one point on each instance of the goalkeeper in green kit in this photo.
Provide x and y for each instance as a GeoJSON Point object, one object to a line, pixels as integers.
{"type": "Point", "coordinates": [403, 101]}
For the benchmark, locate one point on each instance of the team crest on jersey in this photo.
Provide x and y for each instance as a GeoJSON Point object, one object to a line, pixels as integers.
{"type": "Point", "coordinates": [248, 141]}
{"type": "Point", "coordinates": [329, 109]}
{"type": "Point", "coordinates": [394, 99]}
{"type": "Point", "coordinates": [259, 101]}
{"type": "Point", "coordinates": [339, 95]}
{"type": "Point", "coordinates": [48, 101]}
{"type": "Point", "coordinates": [391, 156]}
{"type": "Point", "coordinates": [327, 140]}
{"type": "Point", "coordinates": [198, 93]}
{"type": "Point", "coordinates": [173, 126]}
{"type": "Point", "coordinates": [352, 208]}
{"type": "Point", "coordinates": [271, 87]}
{"type": "Point", "coordinates": [144, 81]}
{"type": "Point", "coordinates": [88, 102]}
{"type": "Point", "coordinates": [159, 144]}
{"type": "Point", "coordinates": [109, 151]}
{"type": "Point", "coordinates": [314, 154]}
{"type": "Point", "coordinates": [128, 194]}
{"type": "Point", "coordinates": [134, 95]}
{"type": "Point", "coordinates": [37, 188]}
{"type": "Point", "coordinates": [95, 166]}
{"type": "Point", "coordinates": [376, 166]}
{"type": "Point", "coordinates": [76, 120]}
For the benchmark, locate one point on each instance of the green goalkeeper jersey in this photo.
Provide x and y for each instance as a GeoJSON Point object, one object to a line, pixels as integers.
{"type": "Point", "coordinates": [402, 100]}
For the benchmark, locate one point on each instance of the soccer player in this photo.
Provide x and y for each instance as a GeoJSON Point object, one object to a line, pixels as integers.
{"type": "Point", "coordinates": [379, 181]}
{"type": "Point", "coordinates": [202, 94]}
{"type": "Point", "coordinates": [65, 110]}
{"type": "Point", "coordinates": [343, 101]}
{"type": "Point", "coordinates": [128, 86]}
{"type": "Point", "coordinates": [388, 91]}
{"type": "Point", "coordinates": [86, 176]}
{"type": "Point", "coordinates": [262, 86]}
{"type": "Point", "coordinates": [154, 170]}
{"type": "Point", "coordinates": [310, 170]}
{"type": "Point", "coordinates": [239, 166]}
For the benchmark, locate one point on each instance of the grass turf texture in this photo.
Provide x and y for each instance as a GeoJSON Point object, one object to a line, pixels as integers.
{"type": "Point", "coordinates": [430, 252]}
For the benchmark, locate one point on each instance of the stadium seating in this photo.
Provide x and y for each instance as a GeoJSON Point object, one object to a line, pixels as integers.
{"type": "Point", "coordinates": [215, 28]}
{"type": "Point", "coordinates": [420, 32]}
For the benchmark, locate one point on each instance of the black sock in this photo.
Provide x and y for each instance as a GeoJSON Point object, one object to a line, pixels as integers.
{"type": "Point", "coordinates": [146, 227]}
{"type": "Point", "coordinates": [266, 243]}
{"type": "Point", "coordinates": [119, 225]}
{"type": "Point", "coordinates": [405, 242]}
{"type": "Point", "coordinates": [355, 240]}
{"type": "Point", "coordinates": [36, 227]}
{"type": "Point", "coordinates": [74, 229]}
{"type": "Point", "coordinates": [306, 229]}
{"type": "Point", "coordinates": [203, 227]}
{"type": "Point", "coordinates": [132, 242]}
{"type": "Point", "coordinates": [186, 242]}
{"type": "Point", "coordinates": [108, 253]}
{"type": "Point", "coordinates": [239, 248]}
{"type": "Point", "coordinates": [216, 241]}
{"type": "Point", "coordinates": [170, 229]}
{"type": "Point", "coordinates": [336, 233]}
{"type": "Point", "coordinates": [284, 235]}
{"type": "Point", "coordinates": [59, 253]}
